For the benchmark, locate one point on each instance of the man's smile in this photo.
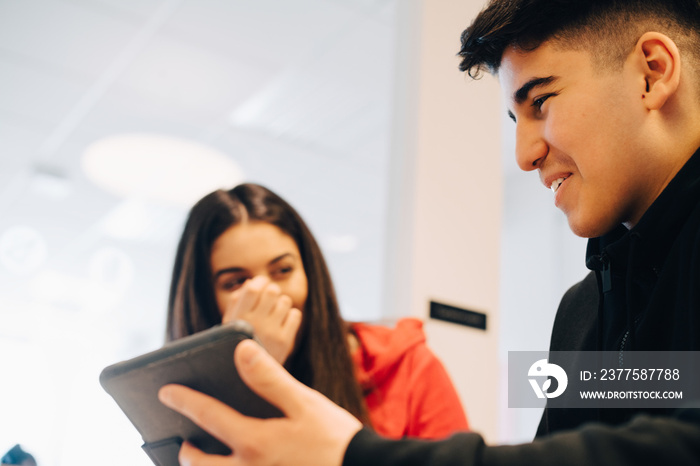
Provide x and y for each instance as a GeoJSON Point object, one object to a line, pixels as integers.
{"type": "Point", "coordinates": [553, 182]}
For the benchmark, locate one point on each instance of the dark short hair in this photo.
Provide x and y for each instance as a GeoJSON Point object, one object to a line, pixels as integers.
{"type": "Point", "coordinates": [613, 26]}
{"type": "Point", "coordinates": [322, 358]}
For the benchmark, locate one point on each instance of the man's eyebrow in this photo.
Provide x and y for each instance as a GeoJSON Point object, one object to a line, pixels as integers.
{"type": "Point", "coordinates": [521, 94]}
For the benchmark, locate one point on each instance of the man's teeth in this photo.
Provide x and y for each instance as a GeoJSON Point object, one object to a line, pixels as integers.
{"type": "Point", "coordinates": [556, 184]}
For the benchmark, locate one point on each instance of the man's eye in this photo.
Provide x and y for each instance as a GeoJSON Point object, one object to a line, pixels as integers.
{"type": "Point", "coordinates": [538, 102]}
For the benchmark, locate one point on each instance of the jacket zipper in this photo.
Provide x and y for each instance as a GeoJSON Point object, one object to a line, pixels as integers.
{"type": "Point", "coordinates": [620, 357]}
{"type": "Point", "coordinates": [606, 275]}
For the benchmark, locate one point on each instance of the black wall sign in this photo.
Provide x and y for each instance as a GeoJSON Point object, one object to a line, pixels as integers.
{"type": "Point", "coordinates": [457, 315]}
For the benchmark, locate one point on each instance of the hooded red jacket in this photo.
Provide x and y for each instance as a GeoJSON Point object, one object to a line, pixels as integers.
{"type": "Point", "coordinates": [407, 390]}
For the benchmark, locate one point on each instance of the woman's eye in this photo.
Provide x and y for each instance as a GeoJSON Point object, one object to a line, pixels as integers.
{"type": "Point", "coordinates": [282, 272]}
{"type": "Point", "coordinates": [233, 284]}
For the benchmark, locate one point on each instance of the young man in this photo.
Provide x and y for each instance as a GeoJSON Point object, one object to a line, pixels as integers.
{"type": "Point", "coordinates": [606, 99]}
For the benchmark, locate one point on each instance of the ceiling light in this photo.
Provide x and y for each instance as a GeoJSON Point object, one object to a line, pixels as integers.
{"type": "Point", "coordinates": [159, 168]}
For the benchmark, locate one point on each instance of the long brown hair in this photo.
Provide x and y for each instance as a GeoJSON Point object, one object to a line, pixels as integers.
{"type": "Point", "coordinates": [322, 358]}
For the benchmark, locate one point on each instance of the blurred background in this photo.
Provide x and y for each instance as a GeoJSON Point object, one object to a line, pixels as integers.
{"type": "Point", "coordinates": [117, 115]}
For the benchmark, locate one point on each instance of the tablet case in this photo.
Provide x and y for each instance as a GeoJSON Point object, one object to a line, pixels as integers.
{"type": "Point", "coordinates": [204, 362]}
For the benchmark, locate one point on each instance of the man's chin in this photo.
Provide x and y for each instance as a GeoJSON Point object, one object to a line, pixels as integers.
{"type": "Point", "coordinates": [589, 227]}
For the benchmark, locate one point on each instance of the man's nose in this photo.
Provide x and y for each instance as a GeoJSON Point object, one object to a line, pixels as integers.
{"type": "Point", "coordinates": [530, 146]}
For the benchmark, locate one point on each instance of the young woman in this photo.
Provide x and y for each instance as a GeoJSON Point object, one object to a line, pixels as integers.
{"type": "Point", "coordinates": [247, 254]}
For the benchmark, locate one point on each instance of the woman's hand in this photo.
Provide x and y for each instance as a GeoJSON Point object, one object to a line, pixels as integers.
{"type": "Point", "coordinates": [274, 320]}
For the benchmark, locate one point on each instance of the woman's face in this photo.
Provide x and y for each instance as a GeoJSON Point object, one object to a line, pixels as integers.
{"type": "Point", "coordinates": [254, 248]}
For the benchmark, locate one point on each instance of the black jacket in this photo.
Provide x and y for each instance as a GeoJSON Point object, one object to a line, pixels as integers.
{"type": "Point", "coordinates": [644, 295]}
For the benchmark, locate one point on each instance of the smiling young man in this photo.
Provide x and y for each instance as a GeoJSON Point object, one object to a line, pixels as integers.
{"type": "Point", "coordinates": [591, 134]}
{"type": "Point", "coordinates": [606, 101]}
{"type": "Point", "coordinates": [606, 134]}
{"type": "Point", "coordinates": [605, 96]}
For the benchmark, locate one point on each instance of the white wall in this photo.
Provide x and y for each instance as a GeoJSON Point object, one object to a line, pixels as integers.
{"type": "Point", "coordinates": [445, 205]}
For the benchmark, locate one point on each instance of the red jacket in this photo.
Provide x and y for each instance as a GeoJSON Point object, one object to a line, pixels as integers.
{"type": "Point", "coordinates": [407, 390]}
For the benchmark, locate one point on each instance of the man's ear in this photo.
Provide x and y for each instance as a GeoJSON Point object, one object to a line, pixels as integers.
{"type": "Point", "coordinates": [660, 63]}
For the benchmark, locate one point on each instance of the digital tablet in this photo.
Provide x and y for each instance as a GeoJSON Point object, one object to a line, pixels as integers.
{"type": "Point", "coordinates": [204, 362]}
